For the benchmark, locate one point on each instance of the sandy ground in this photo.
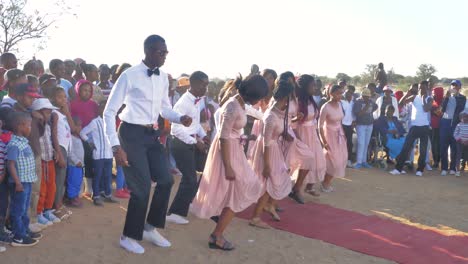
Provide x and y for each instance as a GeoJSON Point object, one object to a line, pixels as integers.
{"type": "Point", "coordinates": [91, 235]}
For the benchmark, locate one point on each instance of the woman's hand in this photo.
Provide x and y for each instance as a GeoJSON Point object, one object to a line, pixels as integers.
{"type": "Point", "coordinates": [266, 171]}
{"type": "Point", "coordinates": [230, 175]}
{"type": "Point", "coordinates": [288, 137]}
{"type": "Point", "coordinates": [297, 118]}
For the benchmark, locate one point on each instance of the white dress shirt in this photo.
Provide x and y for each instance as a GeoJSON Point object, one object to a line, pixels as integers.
{"type": "Point", "coordinates": [145, 98]}
{"type": "Point", "coordinates": [349, 117]}
{"type": "Point", "coordinates": [186, 106]}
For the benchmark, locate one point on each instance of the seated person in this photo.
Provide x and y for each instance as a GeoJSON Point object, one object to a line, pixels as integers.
{"type": "Point", "coordinates": [392, 131]}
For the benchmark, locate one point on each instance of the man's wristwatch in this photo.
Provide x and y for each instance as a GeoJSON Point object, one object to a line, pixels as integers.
{"type": "Point", "coordinates": [115, 148]}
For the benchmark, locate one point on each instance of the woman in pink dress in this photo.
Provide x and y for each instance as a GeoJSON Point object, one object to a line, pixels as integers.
{"type": "Point", "coordinates": [299, 156]}
{"type": "Point", "coordinates": [307, 132]}
{"type": "Point", "coordinates": [229, 185]}
{"type": "Point", "coordinates": [270, 76]}
{"type": "Point", "coordinates": [333, 138]}
{"type": "Point", "coordinates": [269, 161]}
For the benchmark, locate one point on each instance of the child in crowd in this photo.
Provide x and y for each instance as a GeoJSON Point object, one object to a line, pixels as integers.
{"type": "Point", "coordinates": [75, 168]}
{"type": "Point", "coordinates": [22, 172]}
{"type": "Point", "coordinates": [102, 158]}
{"type": "Point", "coordinates": [59, 100]}
{"type": "Point", "coordinates": [461, 136]}
{"type": "Point", "coordinates": [13, 78]}
{"type": "Point", "coordinates": [47, 191]}
{"type": "Point", "coordinates": [5, 137]}
{"type": "Point", "coordinates": [25, 95]}
{"type": "Point", "coordinates": [83, 107]}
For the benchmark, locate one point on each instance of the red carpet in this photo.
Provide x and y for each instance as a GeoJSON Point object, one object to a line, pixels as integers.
{"type": "Point", "coordinates": [370, 235]}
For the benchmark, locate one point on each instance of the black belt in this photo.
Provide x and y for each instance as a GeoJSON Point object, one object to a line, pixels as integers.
{"type": "Point", "coordinates": [147, 128]}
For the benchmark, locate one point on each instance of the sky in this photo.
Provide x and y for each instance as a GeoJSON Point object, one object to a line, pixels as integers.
{"type": "Point", "coordinates": [223, 38]}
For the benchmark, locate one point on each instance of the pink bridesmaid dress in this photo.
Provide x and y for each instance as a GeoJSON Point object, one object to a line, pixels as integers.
{"type": "Point", "coordinates": [298, 154]}
{"type": "Point", "coordinates": [278, 184]}
{"type": "Point", "coordinates": [307, 131]}
{"type": "Point", "coordinates": [337, 155]}
{"type": "Point", "coordinates": [216, 192]}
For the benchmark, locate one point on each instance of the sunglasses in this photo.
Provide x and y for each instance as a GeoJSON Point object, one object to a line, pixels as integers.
{"type": "Point", "coordinates": [162, 53]}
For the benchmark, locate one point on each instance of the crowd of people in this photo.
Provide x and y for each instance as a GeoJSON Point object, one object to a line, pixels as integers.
{"type": "Point", "coordinates": [67, 133]}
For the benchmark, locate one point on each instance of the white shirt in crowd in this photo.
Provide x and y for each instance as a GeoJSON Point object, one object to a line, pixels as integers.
{"type": "Point", "coordinates": [8, 102]}
{"type": "Point", "coordinates": [419, 117]}
{"type": "Point", "coordinates": [63, 131]}
{"type": "Point", "coordinates": [379, 107]}
{"type": "Point", "coordinates": [145, 97]}
{"type": "Point", "coordinates": [77, 155]}
{"type": "Point", "coordinates": [103, 149]}
{"type": "Point", "coordinates": [349, 117]}
{"type": "Point", "coordinates": [186, 106]}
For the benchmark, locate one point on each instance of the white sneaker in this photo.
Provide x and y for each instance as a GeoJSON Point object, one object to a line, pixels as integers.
{"type": "Point", "coordinates": [419, 173]}
{"type": "Point", "coordinates": [443, 173]}
{"type": "Point", "coordinates": [350, 164]}
{"type": "Point", "coordinates": [131, 245]}
{"type": "Point", "coordinates": [2, 249]}
{"type": "Point", "coordinates": [395, 172]}
{"type": "Point", "coordinates": [452, 172]}
{"type": "Point", "coordinates": [43, 221]}
{"type": "Point", "coordinates": [428, 167]}
{"type": "Point", "coordinates": [403, 172]}
{"type": "Point", "coordinates": [36, 227]}
{"type": "Point", "coordinates": [49, 215]}
{"type": "Point", "coordinates": [176, 219]}
{"type": "Point", "coordinates": [156, 238]}
{"type": "Point", "coordinates": [457, 174]}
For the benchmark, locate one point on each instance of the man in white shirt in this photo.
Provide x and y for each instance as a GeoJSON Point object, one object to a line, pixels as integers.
{"type": "Point", "coordinates": [421, 105]}
{"type": "Point", "coordinates": [144, 90]}
{"type": "Point", "coordinates": [348, 121]}
{"type": "Point", "coordinates": [187, 144]}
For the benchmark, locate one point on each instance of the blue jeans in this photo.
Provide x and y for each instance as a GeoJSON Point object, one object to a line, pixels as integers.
{"type": "Point", "coordinates": [74, 180]}
{"type": "Point", "coordinates": [120, 179]}
{"type": "Point", "coordinates": [19, 206]}
{"type": "Point", "coordinates": [4, 200]}
{"type": "Point", "coordinates": [447, 140]}
{"type": "Point", "coordinates": [102, 177]}
{"type": "Point", "coordinates": [364, 133]}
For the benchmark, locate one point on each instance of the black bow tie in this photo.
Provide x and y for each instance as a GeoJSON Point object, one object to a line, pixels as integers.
{"type": "Point", "coordinates": [155, 71]}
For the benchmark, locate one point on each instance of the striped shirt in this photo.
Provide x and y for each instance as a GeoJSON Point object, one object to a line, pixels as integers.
{"type": "Point", "coordinates": [103, 148]}
{"type": "Point", "coordinates": [47, 150]}
{"type": "Point", "coordinates": [18, 150]}
{"type": "Point", "coordinates": [461, 132]}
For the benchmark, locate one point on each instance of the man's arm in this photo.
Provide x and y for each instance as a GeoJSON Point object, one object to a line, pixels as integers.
{"type": "Point", "coordinates": [177, 129]}
{"type": "Point", "coordinates": [115, 101]}
{"type": "Point", "coordinates": [166, 107]}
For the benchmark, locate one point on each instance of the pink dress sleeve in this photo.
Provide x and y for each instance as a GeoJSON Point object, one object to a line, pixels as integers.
{"type": "Point", "coordinates": [323, 115]}
{"type": "Point", "coordinates": [228, 118]}
{"type": "Point", "coordinates": [268, 129]}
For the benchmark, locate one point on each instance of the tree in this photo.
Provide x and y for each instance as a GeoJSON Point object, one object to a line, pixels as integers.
{"type": "Point", "coordinates": [343, 76]}
{"type": "Point", "coordinates": [368, 75]}
{"type": "Point", "coordinates": [425, 71]}
{"type": "Point", "coordinates": [17, 25]}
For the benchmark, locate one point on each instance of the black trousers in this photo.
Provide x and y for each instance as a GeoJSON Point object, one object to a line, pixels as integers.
{"type": "Point", "coordinates": [348, 131]}
{"type": "Point", "coordinates": [148, 162]}
{"type": "Point", "coordinates": [421, 132]}
{"type": "Point", "coordinates": [88, 160]}
{"type": "Point", "coordinates": [435, 145]}
{"type": "Point", "coordinates": [185, 157]}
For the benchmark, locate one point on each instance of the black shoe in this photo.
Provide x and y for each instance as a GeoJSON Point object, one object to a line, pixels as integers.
{"type": "Point", "coordinates": [215, 219]}
{"type": "Point", "coordinates": [5, 237]}
{"type": "Point", "coordinates": [296, 197]}
{"type": "Point", "coordinates": [98, 201]}
{"type": "Point", "coordinates": [25, 242]}
{"type": "Point", "coordinates": [35, 236]}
